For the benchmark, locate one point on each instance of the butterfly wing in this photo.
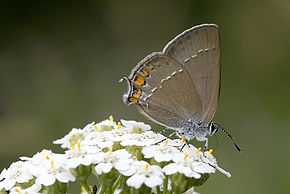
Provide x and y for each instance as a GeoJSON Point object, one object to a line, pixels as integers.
{"type": "Point", "coordinates": [198, 50]}
{"type": "Point", "coordinates": [164, 91]}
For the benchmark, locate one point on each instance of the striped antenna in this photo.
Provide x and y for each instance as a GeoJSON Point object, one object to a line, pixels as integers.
{"type": "Point", "coordinates": [231, 139]}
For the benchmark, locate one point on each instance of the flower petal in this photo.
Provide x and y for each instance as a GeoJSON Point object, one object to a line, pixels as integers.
{"type": "Point", "coordinates": [170, 169]}
{"type": "Point", "coordinates": [45, 179]}
{"type": "Point", "coordinates": [153, 181]}
{"type": "Point", "coordinates": [136, 181]}
{"type": "Point", "coordinates": [103, 168]}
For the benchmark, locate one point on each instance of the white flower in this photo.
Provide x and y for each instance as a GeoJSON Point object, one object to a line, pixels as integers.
{"type": "Point", "coordinates": [117, 135]}
{"type": "Point", "coordinates": [127, 167]}
{"type": "Point", "coordinates": [204, 161]}
{"type": "Point", "coordinates": [89, 128]}
{"type": "Point", "coordinates": [16, 173]}
{"type": "Point", "coordinates": [202, 168]}
{"type": "Point", "coordinates": [152, 138]}
{"type": "Point", "coordinates": [39, 157]}
{"type": "Point", "coordinates": [151, 176]}
{"type": "Point", "coordinates": [34, 189]}
{"type": "Point", "coordinates": [132, 139]}
{"type": "Point", "coordinates": [52, 168]}
{"type": "Point", "coordinates": [117, 159]}
{"type": "Point", "coordinates": [106, 125]}
{"type": "Point", "coordinates": [182, 164]}
{"type": "Point", "coordinates": [81, 154]}
{"type": "Point", "coordinates": [135, 127]}
{"type": "Point", "coordinates": [100, 139]}
{"type": "Point", "coordinates": [144, 139]}
{"type": "Point", "coordinates": [210, 159]}
{"type": "Point", "coordinates": [161, 152]}
{"type": "Point", "coordinates": [78, 135]}
{"type": "Point", "coordinates": [75, 135]}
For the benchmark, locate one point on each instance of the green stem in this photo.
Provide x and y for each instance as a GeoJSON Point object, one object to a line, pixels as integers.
{"type": "Point", "coordinates": [87, 186]}
{"type": "Point", "coordinates": [117, 183]}
{"type": "Point", "coordinates": [133, 191]}
{"type": "Point", "coordinates": [158, 190]}
{"type": "Point", "coordinates": [109, 190]}
{"type": "Point", "coordinates": [165, 185]}
{"type": "Point", "coordinates": [102, 191]}
{"type": "Point", "coordinates": [171, 191]}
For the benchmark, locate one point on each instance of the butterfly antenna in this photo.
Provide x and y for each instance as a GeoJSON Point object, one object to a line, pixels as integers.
{"type": "Point", "coordinates": [231, 139]}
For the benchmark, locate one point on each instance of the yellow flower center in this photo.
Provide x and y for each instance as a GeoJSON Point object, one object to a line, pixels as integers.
{"type": "Point", "coordinates": [73, 145]}
{"type": "Point", "coordinates": [111, 118]}
{"type": "Point", "coordinates": [146, 168]}
{"type": "Point", "coordinates": [166, 142]}
{"type": "Point", "coordinates": [96, 128]}
{"type": "Point", "coordinates": [210, 151]}
{"type": "Point", "coordinates": [198, 150]}
{"type": "Point", "coordinates": [79, 146]}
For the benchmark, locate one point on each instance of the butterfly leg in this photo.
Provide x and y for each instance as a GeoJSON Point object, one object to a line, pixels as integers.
{"type": "Point", "coordinates": [205, 148]}
{"type": "Point", "coordinates": [165, 138]}
{"type": "Point", "coordinates": [160, 132]}
{"type": "Point", "coordinates": [184, 144]}
{"type": "Point", "coordinates": [160, 141]}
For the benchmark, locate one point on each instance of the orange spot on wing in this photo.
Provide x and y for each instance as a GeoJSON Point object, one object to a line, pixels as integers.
{"type": "Point", "coordinates": [139, 81]}
{"type": "Point", "coordinates": [144, 73]}
{"type": "Point", "coordinates": [136, 96]}
{"type": "Point", "coordinates": [133, 99]}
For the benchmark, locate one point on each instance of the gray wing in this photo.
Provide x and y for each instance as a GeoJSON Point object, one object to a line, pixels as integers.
{"type": "Point", "coordinates": [169, 96]}
{"type": "Point", "coordinates": [198, 50]}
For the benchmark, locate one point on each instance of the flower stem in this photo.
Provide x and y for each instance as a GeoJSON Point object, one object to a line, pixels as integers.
{"type": "Point", "coordinates": [165, 185]}
{"type": "Point", "coordinates": [87, 186]}
{"type": "Point", "coordinates": [158, 190]}
{"type": "Point", "coordinates": [109, 190]}
{"type": "Point", "coordinates": [171, 191]}
{"type": "Point", "coordinates": [117, 183]}
{"type": "Point", "coordinates": [102, 190]}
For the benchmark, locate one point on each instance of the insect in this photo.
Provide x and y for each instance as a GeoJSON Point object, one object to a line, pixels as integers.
{"type": "Point", "coordinates": [179, 87]}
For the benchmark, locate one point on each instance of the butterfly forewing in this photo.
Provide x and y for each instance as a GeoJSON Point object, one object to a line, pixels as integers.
{"type": "Point", "coordinates": [198, 50]}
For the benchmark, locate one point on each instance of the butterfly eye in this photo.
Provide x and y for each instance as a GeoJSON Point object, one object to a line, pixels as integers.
{"type": "Point", "coordinates": [213, 128]}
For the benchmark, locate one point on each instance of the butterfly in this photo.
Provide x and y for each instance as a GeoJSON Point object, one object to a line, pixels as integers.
{"type": "Point", "coordinates": [179, 87]}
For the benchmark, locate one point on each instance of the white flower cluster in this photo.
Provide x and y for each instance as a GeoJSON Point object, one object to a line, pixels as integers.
{"type": "Point", "coordinates": [124, 156]}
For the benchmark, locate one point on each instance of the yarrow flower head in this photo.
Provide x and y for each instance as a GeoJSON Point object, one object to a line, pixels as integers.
{"type": "Point", "coordinates": [16, 173]}
{"type": "Point", "coordinates": [74, 136]}
{"type": "Point", "coordinates": [135, 127]}
{"type": "Point", "coordinates": [110, 159]}
{"type": "Point", "coordinates": [181, 164]}
{"type": "Point", "coordinates": [150, 175]}
{"type": "Point", "coordinates": [52, 169]}
{"type": "Point", "coordinates": [161, 152]}
{"type": "Point", "coordinates": [81, 154]}
{"type": "Point", "coordinates": [125, 156]}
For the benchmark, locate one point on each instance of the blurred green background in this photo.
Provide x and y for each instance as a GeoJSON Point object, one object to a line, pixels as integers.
{"type": "Point", "coordinates": [60, 62]}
